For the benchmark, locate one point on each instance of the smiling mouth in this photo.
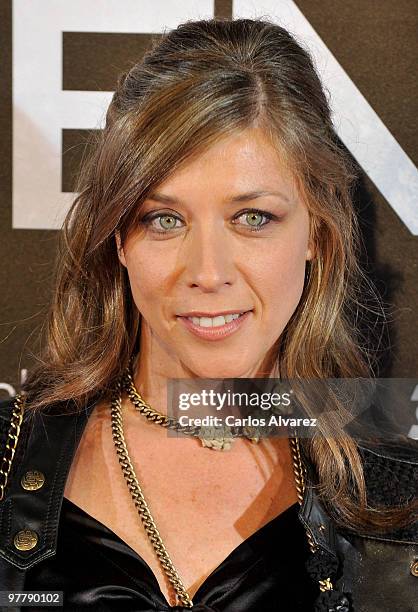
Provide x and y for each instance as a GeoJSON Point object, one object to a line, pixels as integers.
{"type": "Point", "coordinates": [206, 321]}
{"type": "Point", "coordinates": [216, 328]}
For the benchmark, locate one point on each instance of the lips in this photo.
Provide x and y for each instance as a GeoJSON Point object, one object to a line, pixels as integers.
{"type": "Point", "coordinates": [217, 332]}
{"type": "Point", "coordinates": [212, 315]}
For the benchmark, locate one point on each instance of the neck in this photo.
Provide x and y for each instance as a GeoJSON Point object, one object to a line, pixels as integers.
{"type": "Point", "coordinates": [153, 368]}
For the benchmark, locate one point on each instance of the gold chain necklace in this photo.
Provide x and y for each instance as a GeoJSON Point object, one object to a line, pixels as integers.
{"type": "Point", "coordinates": [219, 441]}
{"type": "Point", "coordinates": [141, 504]}
{"type": "Point", "coordinates": [135, 490]}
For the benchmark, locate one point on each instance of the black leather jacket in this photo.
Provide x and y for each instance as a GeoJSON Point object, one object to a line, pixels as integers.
{"type": "Point", "coordinates": [373, 574]}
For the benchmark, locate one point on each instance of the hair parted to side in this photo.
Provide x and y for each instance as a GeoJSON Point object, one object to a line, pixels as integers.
{"type": "Point", "coordinates": [199, 82]}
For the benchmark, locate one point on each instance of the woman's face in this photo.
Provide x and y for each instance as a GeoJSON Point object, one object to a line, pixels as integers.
{"type": "Point", "coordinates": [225, 233]}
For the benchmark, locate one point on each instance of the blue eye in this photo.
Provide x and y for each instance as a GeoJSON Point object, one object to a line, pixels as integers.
{"type": "Point", "coordinates": [167, 221]}
{"type": "Point", "coordinates": [253, 215]}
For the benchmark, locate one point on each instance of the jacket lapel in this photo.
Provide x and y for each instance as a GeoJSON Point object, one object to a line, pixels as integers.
{"type": "Point", "coordinates": [29, 514]}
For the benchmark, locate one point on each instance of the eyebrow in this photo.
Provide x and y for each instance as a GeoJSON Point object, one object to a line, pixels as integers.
{"type": "Point", "coordinates": [243, 197]}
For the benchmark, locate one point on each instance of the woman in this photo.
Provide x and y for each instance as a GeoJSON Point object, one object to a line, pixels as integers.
{"type": "Point", "coordinates": [213, 236]}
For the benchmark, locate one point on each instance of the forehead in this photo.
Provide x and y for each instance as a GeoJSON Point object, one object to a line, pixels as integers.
{"type": "Point", "coordinates": [242, 161]}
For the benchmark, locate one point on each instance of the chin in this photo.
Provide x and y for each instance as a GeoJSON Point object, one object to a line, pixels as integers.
{"type": "Point", "coordinates": [222, 370]}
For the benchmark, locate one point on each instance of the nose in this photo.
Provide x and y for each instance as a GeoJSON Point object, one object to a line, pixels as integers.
{"type": "Point", "coordinates": [209, 258]}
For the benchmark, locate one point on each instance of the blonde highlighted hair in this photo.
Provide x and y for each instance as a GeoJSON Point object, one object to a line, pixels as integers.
{"type": "Point", "coordinates": [199, 82]}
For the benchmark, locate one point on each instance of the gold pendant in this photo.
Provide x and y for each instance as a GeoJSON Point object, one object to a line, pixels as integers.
{"type": "Point", "coordinates": [219, 444]}
{"type": "Point", "coordinates": [216, 438]}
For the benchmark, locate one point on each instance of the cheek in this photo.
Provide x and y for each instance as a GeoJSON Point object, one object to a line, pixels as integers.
{"type": "Point", "coordinates": [281, 279]}
{"type": "Point", "coordinates": [147, 278]}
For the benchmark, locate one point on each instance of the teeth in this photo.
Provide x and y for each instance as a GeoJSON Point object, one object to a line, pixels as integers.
{"type": "Point", "coordinates": [214, 321]}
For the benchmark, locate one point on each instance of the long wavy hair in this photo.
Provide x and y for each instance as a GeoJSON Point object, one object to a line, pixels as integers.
{"type": "Point", "coordinates": [199, 82]}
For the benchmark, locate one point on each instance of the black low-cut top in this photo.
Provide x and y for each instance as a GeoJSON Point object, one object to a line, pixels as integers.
{"type": "Point", "coordinates": [97, 570]}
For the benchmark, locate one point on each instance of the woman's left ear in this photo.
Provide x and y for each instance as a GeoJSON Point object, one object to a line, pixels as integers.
{"type": "Point", "coordinates": [310, 253]}
{"type": "Point", "coordinates": [119, 248]}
